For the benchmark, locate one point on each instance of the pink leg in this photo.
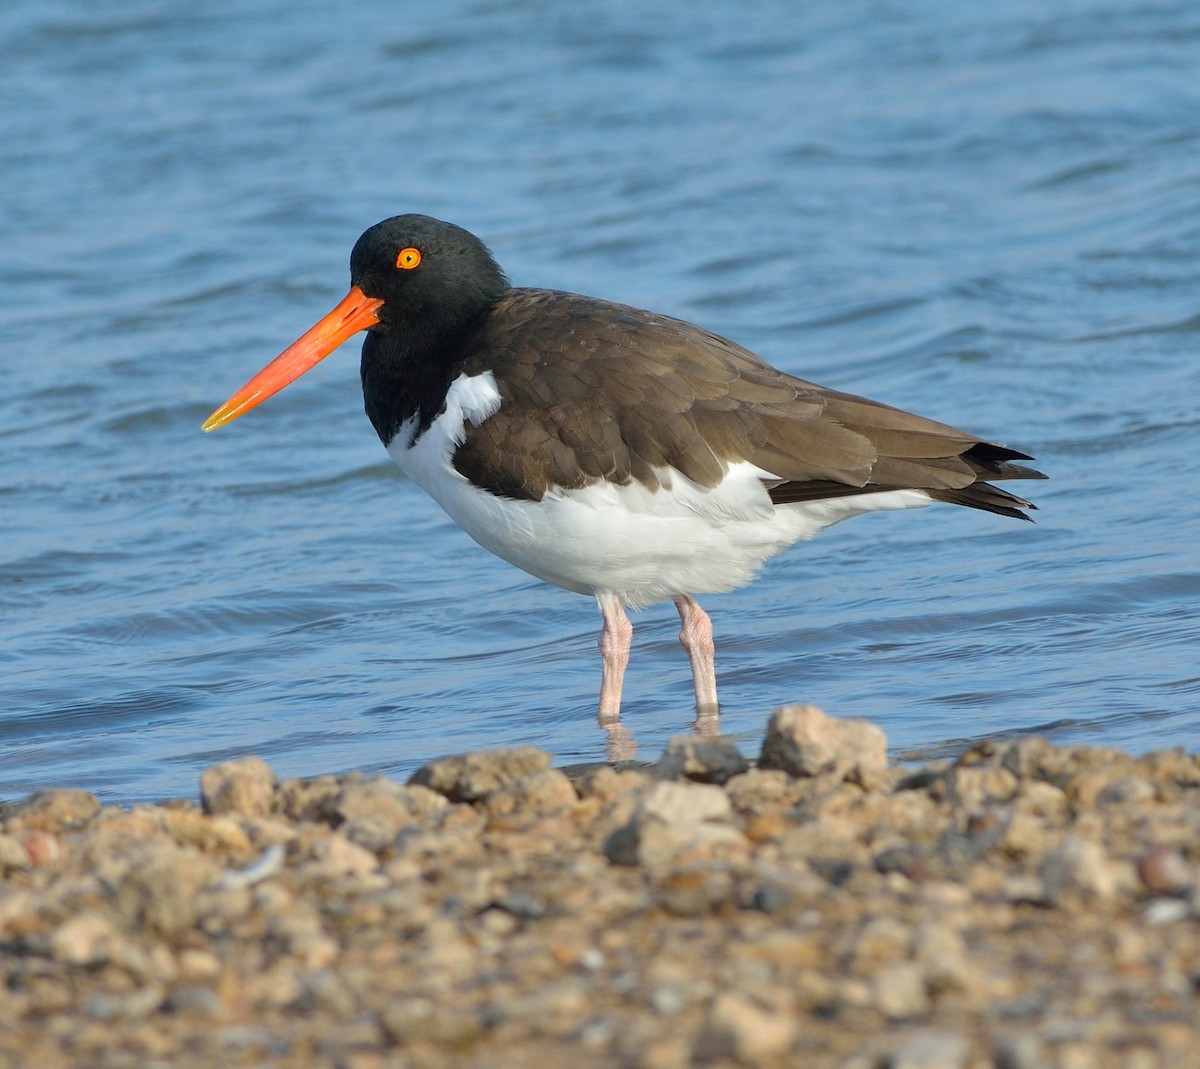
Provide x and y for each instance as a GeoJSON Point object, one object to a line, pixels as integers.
{"type": "Point", "coordinates": [696, 637]}
{"type": "Point", "coordinates": [615, 639]}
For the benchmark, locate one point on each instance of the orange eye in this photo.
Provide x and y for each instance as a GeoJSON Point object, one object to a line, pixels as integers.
{"type": "Point", "coordinates": [408, 258]}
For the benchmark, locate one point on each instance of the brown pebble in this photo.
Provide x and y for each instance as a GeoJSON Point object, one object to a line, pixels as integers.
{"type": "Point", "coordinates": [245, 787]}
{"type": "Point", "coordinates": [469, 777]}
{"type": "Point", "coordinates": [52, 811]}
{"type": "Point", "coordinates": [1165, 872]}
{"type": "Point", "coordinates": [42, 848]}
{"type": "Point", "coordinates": [801, 740]}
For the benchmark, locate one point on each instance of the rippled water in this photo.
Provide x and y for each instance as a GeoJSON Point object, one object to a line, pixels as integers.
{"type": "Point", "coordinates": [987, 213]}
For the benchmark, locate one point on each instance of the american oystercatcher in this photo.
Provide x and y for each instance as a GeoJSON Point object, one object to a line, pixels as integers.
{"type": "Point", "coordinates": [609, 450]}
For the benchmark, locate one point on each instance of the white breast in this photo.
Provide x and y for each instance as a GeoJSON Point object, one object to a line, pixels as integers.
{"type": "Point", "coordinates": [644, 545]}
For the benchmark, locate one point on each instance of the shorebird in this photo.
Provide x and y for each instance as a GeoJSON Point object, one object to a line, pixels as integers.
{"type": "Point", "coordinates": [613, 451]}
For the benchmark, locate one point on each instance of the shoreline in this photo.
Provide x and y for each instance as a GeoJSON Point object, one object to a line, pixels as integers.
{"type": "Point", "coordinates": [1026, 905]}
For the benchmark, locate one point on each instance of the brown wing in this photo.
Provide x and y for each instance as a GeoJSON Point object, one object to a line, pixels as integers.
{"type": "Point", "coordinates": [592, 390]}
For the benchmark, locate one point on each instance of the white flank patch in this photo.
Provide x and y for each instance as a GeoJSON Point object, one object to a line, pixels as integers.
{"type": "Point", "coordinates": [641, 544]}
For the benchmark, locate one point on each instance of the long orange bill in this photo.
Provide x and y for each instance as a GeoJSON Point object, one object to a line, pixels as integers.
{"type": "Point", "coordinates": [355, 312]}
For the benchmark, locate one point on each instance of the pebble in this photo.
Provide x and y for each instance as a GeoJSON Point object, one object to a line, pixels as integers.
{"type": "Point", "coordinates": [802, 741]}
{"type": "Point", "coordinates": [740, 1029]}
{"type": "Point", "coordinates": [1024, 905]}
{"type": "Point", "coordinates": [52, 811]}
{"type": "Point", "coordinates": [703, 758]}
{"type": "Point", "coordinates": [471, 777]}
{"type": "Point", "coordinates": [931, 1050]}
{"type": "Point", "coordinates": [245, 787]}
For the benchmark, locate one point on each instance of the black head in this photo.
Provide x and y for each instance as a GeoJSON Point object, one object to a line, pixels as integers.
{"type": "Point", "coordinates": [417, 285]}
{"type": "Point", "coordinates": [434, 278]}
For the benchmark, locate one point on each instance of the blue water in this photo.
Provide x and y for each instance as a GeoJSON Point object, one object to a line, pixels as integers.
{"type": "Point", "coordinates": [987, 213]}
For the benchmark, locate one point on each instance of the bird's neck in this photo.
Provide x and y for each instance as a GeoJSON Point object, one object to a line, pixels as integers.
{"type": "Point", "coordinates": [406, 374]}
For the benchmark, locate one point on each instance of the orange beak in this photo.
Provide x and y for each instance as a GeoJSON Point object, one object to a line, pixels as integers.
{"type": "Point", "coordinates": [355, 312]}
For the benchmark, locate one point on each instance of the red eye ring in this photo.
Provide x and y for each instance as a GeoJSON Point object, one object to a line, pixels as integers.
{"type": "Point", "coordinates": [407, 259]}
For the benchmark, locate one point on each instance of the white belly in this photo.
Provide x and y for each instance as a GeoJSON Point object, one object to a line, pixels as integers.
{"type": "Point", "coordinates": [643, 545]}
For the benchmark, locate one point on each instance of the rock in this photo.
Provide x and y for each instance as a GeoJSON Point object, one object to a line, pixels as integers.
{"type": "Point", "coordinates": [395, 804]}
{"type": "Point", "coordinates": [685, 804]}
{"type": "Point", "coordinates": [695, 891]}
{"type": "Point", "coordinates": [703, 758]}
{"type": "Point", "coordinates": [1126, 791]}
{"type": "Point", "coordinates": [974, 789]}
{"type": "Point", "coordinates": [52, 812]}
{"type": "Point", "coordinates": [672, 820]}
{"type": "Point", "coordinates": [311, 799]}
{"type": "Point", "coordinates": [334, 856]}
{"type": "Point", "coordinates": [1081, 868]}
{"type": "Point", "coordinates": [373, 812]}
{"type": "Point", "coordinates": [1022, 1051]}
{"type": "Point", "coordinates": [941, 952]}
{"type": "Point", "coordinates": [42, 848]}
{"type": "Point", "coordinates": [13, 854]}
{"type": "Point", "coordinates": [245, 787]}
{"type": "Point", "coordinates": [86, 939]}
{"type": "Point", "coordinates": [898, 991]}
{"type": "Point", "coordinates": [802, 741]}
{"type": "Point", "coordinates": [470, 777]}
{"type": "Point", "coordinates": [932, 1050]}
{"type": "Point", "coordinates": [740, 1029]}
{"type": "Point", "coordinates": [1165, 872]}
{"type": "Point", "coordinates": [547, 791]}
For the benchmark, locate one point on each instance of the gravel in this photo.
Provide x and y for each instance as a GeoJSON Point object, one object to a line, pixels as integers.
{"type": "Point", "coordinates": [1025, 906]}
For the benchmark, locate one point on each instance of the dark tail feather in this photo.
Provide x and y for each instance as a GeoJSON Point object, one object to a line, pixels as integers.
{"type": "Point", "coordinates": [989, 498]}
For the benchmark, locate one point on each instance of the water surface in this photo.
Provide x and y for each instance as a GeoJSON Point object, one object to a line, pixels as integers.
{"type": "Point", "coordinates": [988, 214]}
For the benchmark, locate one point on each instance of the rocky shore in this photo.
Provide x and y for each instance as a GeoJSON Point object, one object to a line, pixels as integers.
{"type": "Point", "coordinates": [1025, 906]}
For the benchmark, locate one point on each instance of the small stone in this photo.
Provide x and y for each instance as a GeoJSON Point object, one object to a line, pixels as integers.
{"type": "Point", "coordinates": [1026, 757]}
{"type": "Point", "coordinates": [1126, 791]}
{"type": "Point", "coordinates": [86, 939]}
{"type": "Point", "coordinates": [740, 1029]}
{"type": "Point", "coordinates": [387, 802]}
{"type": "Point", "coordinates": [695, 892]}
{"type": "Point", "coordinates": [1165, 872]}
{"type": "Point", "coordinates": [53, 811]}
{"type": "Point", "coordinates": [469, 777]}
{"type": "Point", "coordinates": [193, 1000]}
{"type": "Point", "coordinates": [686, 804]}
{"type": "Point", "coordinates": [335, 855]}
{"type": "Point", "coordinates": [771, 898]}
{"type": "Point", "coordinates": [13, 854]}
{"type": "Point", "coordinates": [1023, 1051]}
{"type": "Point", "coordinates": [607, 784]}
{"type": "Point", "coordinates": [1081, 868]}
{"type": "Point", "coordinates": [803, 741]}
{"type": "Point", "coordinates": [42, 848]}
{"type": "Point", "coordinates": [676, 819]}
{"type": "Point", "coordinates": [703, 758]}
{"type": "Point", "coordinates": [899, 991]}
{"type": "Point", "coordinates": [207, 833]}
{"type": "Point", "coordinates": [941, 952]}
{"type": "Point", "coordinates": [245, 787]}
{"type": "Point", "coordinates": [548, 791]}
{"type": "Point", "coordinates": [931, 1050]}
{"type": "Point", "coordinates": [417, 1020]}
{"type": "Point", "coordinates": [197, 965]}
{"type": "Point", "coordinates": [126, 1006]}
{"type": "Point", "coordinates": [521, 904]}
{"type": "Point", "coordinates": [1166, 911]}
{"type": "Point", "coordinates": [974, 789]}
{"type": "Point", "coordinates": [312, 800]}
